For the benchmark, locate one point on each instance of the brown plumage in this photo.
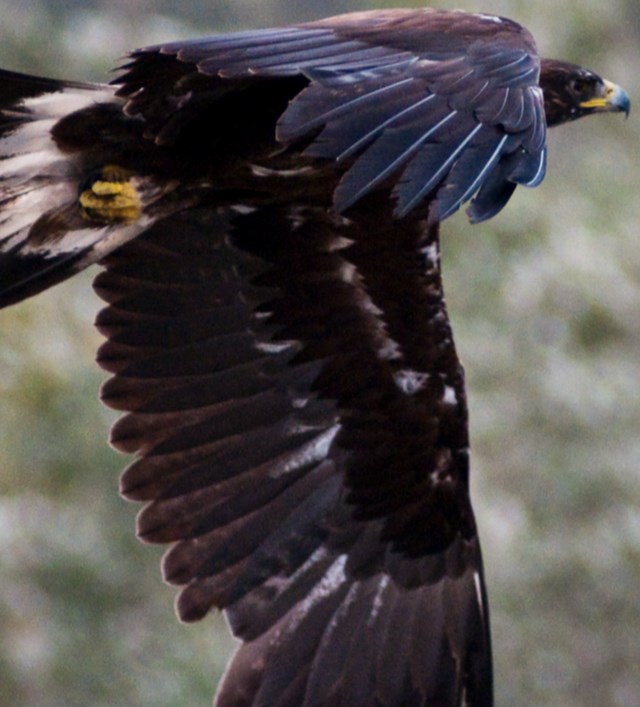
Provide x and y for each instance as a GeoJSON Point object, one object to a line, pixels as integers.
{"type": "Point", "coordinates": [266, 207]}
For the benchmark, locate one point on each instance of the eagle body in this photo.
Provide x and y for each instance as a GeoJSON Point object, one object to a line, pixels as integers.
{"type": "Point", "coordinates": [266, 209]}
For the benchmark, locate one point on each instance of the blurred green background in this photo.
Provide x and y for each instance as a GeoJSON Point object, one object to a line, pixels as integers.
{"type": "Point", "coordinates": [546, 307]}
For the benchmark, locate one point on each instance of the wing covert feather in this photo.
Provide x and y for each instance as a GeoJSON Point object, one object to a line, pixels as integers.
{"type": "Point", "coordinates": [396, 98]}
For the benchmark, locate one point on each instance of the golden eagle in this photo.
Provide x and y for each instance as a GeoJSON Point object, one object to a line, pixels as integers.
{"type": "Point", "coordinates": [266, 207]}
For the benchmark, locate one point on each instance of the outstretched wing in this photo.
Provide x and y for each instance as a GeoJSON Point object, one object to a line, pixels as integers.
{"type": "Point", "coordinates": [279, 338]}
{"type": "Point", "coordinates": [299, 415]}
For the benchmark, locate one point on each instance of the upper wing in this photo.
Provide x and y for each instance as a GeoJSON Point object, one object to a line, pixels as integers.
{"type": "Point", "coordinates": [437, 106]}
{"type": "Point", "coordinates": [299, 415]}
{"type": "Point", "coordinates": [436, 103]}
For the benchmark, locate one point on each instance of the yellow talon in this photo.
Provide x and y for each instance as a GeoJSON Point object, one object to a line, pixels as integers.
{"type": "Point", "coordinates": [110, 198]}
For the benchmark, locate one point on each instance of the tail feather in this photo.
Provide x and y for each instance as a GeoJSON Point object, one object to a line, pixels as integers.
{"type": "Point", "coordinates": [44, 235]}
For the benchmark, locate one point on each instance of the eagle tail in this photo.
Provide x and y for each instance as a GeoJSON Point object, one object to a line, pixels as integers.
{"type": "Point", "coordinates": [54, 150]}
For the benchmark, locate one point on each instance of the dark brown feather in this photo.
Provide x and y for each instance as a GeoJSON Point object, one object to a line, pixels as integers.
{"type": "Point", "coordinates": [276, 324]}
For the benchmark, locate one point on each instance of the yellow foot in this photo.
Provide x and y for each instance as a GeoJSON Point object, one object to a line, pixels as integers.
{"type": "Point", "coordinates": [109, 197]}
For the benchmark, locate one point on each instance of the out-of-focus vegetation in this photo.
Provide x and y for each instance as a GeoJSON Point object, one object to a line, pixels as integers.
{"type": "Point", "coordinates": [545, 301]}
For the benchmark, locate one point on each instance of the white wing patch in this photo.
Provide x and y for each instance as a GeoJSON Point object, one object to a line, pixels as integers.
{"type": "Point", "coordinates": [431, 252]}
{"type": "Point", "coordinates": [410, 382]}
{"type": "Point", "coordinates": [449, 396]}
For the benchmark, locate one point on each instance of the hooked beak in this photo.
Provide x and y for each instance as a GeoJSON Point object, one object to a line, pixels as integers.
{"type": "Point", "coordinates": [614, 99]}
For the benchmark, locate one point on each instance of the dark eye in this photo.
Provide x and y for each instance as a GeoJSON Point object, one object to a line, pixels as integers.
{"type": "Point", "coordinates": [582, 84]}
